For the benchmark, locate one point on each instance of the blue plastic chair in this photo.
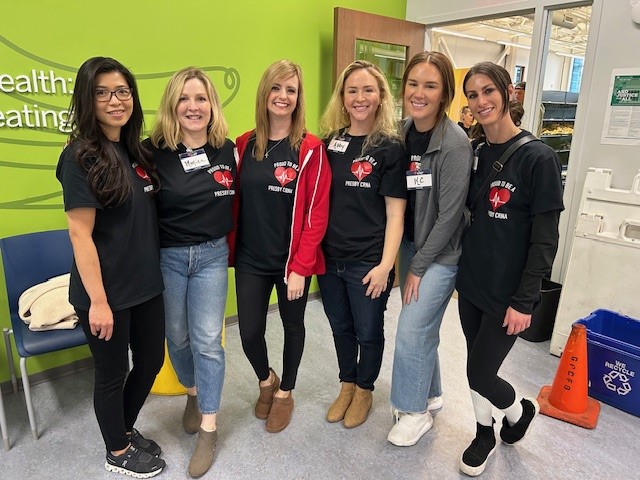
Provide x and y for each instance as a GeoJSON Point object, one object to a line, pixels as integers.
{"type": "Point", "coordinates": [28, 260]}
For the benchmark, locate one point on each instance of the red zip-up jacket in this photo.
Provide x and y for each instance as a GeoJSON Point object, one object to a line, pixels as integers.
{"type": "Point", "coordinates": [310, 207]}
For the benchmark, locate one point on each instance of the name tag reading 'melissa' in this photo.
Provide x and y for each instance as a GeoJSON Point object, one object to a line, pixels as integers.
{"type": "Point", "coordinates": [194, 160]}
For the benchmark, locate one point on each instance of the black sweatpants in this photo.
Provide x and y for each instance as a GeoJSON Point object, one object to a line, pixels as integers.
{"type": "Point", "coordinates": [253, 292]}
{"type": "Point", "coordinates": [118, 397]}
{"type": "Point", "coordinates": [487, 346]}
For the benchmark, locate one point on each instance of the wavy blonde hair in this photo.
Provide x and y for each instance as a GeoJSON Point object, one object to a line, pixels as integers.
{"type": "Point", "coordinates": [335, 117]}
{"type": "Point", "coordinates": [278, 71]}
{"type": "Point", "coordinates": [166, 131]}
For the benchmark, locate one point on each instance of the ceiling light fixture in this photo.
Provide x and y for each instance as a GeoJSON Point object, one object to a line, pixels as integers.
{"type": "Point", "coordinates": [511, 44]}
{"type": "Point", "coordinates": [457, 34]}
{"type": "Point", "coordinates": [570, 55]}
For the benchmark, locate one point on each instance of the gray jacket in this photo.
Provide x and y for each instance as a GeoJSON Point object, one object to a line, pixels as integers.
{"type": "Point", "coordinates": [438, 222]}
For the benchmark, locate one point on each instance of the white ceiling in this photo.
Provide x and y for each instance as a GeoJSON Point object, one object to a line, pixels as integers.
{"type": "Point", "coordinates": [569, 29]}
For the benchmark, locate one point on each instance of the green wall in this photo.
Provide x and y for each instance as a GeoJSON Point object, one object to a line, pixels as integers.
{"type": "Point", "coordinates": [237, 40]}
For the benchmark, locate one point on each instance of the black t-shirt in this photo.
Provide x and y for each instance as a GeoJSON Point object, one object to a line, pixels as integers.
{"type": "Point", "coordinates": [417, 145]}
{"type": "Point", "coordinates": [194, 206]}
{"type": "Point", "coordinates": [496, 245]}
{"type": "Point", "coordinates": [126, 236]}
{"type": "Point", "coordinates": [357, 214]}
{"type": "Point", "coordinates": [267, 191]}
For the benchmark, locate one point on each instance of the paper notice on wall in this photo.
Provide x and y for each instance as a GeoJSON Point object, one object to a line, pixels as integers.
{"type": "Point", "coordinates": [622, 118]}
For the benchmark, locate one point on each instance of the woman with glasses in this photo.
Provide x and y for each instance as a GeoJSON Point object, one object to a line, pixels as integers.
{"type": "Point", "coordinates": [368, 162]}
{"type": "Point", "coordinates": [283, 181]}
{"type": "Point", "coordinates": [116, 285]}
{"type": "Point", "coordinates": [437, 182]}
{"type": "Point", "coordinates": [197, 167]}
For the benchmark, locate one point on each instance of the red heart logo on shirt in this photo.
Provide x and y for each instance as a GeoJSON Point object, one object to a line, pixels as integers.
{"type": "Point", "coordinates": [413, 166]}
{"type": "Point", "coordinates": [498, 197]}
{"type": "Point", "coordinates": [361, 169]}
{"type": "Point", "coordinates": [224, 178]}
{"type": "Point", "coordinates": [142, 173]}
{"type": "Point", "coordinates": [285, 175]}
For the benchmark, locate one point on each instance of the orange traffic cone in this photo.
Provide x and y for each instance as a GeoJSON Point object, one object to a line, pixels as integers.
{"type": "Point", "coordinates": [567, 399]}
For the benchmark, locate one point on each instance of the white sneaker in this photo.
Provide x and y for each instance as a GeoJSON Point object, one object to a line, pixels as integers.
{"type": "Point", "coordinates": [435, 403]}
{"type": "Point", "coordinates": [409, 428]}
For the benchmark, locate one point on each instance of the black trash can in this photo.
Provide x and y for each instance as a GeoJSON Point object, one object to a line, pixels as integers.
{"type": "Point", "coordinates": [544, 317]}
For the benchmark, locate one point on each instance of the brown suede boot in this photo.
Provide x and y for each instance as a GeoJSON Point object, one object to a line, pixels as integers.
{"type": "Point", "coordinates": [203, 455]}
{"type": "Point", "coordinates": [191, 418]}
{"type": "Point", "coordinates": [263, 405]}
{"type": "Point", "coordinates": [339, 406]}
{"type": "Point", "coordinates": [358, 411]}
{"type": "Point", "coordinates": [280, 414]}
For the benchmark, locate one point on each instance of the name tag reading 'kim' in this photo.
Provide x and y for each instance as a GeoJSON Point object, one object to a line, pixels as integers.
{"type": "Point", "coordinates": [417, 179]}
{"type": "Point", "coordinates": [194, 160]}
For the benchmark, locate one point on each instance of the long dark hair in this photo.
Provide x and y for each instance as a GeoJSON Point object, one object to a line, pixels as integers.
{"type": "Point", "coordinates": [501, 79]}
{"type": "Point", "coordinates": [108, 176]}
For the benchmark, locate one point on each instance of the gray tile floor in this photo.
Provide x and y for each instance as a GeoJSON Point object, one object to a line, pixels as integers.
{"type": "Point", "coordinates": [70, 446]}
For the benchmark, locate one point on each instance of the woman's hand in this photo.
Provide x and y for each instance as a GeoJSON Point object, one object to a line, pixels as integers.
{"type": "Point", "coordinates": [295, 286]}
{"type": "Point", "coordinates": [515, 321]}
{"type": "Point", "coordinates": [411, 288]}
{"type": "Point", "coordinates": [378, 279]}
{"type": "Point", "coordinates": [101, 321]}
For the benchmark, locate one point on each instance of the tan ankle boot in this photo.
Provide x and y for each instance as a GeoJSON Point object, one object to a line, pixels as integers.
{"type": "Point", "coordinates": [339, 406]}
{"type": "Point", "coordinates": [358, 411]}
{"type": "Point", "coordinates": [263, 405]}
{"type": "Point", "coordinates": [203, 455]}
{"type": "Point", "coordinates": [191, 418]}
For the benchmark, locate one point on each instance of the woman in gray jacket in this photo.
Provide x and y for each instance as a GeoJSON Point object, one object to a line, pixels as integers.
{"type": "Point", "coordinates": [437, 184]}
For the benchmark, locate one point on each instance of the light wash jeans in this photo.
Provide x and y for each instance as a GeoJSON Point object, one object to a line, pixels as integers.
{"type": "Point", "coordinates": [195, 294]}
{"type": "Point", "coordinates": [416, 367]}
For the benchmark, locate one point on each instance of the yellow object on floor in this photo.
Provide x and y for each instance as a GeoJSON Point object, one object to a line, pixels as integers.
{"type": "Point", "coordinates": [167, 382]}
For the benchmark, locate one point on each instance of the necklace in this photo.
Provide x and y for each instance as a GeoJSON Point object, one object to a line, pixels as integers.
{"type": "Point", "coordinates": [266, 155]}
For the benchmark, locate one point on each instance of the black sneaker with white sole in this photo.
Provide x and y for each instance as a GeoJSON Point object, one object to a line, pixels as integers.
{"type": "Point", "coordinates": [144, 444]}
{"type": "Point", "coordinates": [474, 459]}
{"type": "Point", "coordinates": [135, 463]}
{"type": "Point", "coordinates": [512, 434]}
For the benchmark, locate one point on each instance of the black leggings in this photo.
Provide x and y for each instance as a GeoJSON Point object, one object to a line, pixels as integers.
{"type": "Point", "coordinates": [253, 292]}
{"type": "Point", "coordinates": [118, 397]}
{"type": "Point", "coordinates": [487, 346]}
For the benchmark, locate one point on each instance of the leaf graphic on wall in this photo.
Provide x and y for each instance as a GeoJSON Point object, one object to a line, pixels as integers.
{"type": "Point", "coordinates": [33, 112]}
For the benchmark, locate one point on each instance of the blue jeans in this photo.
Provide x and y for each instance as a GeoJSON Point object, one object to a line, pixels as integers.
{"type": "Point", "coordinates": [416, 367]}
{"type": "Point", "coordinates": [195, 295]}
{"type": "Point", "coordinates": [357, 321]}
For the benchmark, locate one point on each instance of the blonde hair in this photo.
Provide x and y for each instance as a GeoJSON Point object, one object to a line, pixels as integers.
{"type": "Point", "coordinates": [280, 70]}
{"type": "Point", "coordinates": [166, 130]}
{"type": "Point", "coordinates": [335, 117]}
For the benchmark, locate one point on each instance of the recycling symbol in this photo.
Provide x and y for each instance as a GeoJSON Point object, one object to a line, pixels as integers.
{"type": "Point", "coordinates": [617, 382]}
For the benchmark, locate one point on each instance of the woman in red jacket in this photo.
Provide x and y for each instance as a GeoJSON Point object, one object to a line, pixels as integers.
{"type": "Point", "coordinates": [283, 184]}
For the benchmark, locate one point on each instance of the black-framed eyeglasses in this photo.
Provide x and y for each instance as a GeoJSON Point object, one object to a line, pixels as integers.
{"type": "Point", "coordinates": [104, 95]}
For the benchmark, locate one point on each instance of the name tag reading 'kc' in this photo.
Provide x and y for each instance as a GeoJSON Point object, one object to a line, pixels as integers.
{"type": "Point", "coordinates": [417, 179]}
{"type": "Point", "coordinates": [194, 160]}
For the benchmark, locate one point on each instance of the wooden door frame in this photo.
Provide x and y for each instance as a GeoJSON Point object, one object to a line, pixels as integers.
{"type": "Point", "coordinates": [349, 25]}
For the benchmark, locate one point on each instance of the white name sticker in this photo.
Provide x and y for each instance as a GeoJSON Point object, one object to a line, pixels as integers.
{"type": "Point", "coordinates": [417, 180]}
{"type": "Point", "coordinates": [338, 145]}
{"type": "Point", "coordinates": [474, 166]}
{"type": "Point", "coordinates": [195, 160]}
